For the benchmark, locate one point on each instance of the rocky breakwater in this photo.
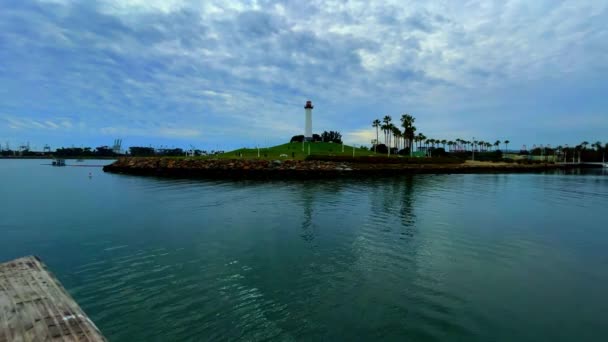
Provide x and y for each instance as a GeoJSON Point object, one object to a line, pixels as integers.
{"type": "Point", "coordinates": [301, 169]}
{"type": "Point", "coordinates": [227, 168]}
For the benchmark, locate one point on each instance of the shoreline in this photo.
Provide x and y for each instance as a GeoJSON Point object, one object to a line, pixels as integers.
{"type": "Point", "coordinates": [301, 169]}
{"type": "Point", "coordinates": [58, 157]}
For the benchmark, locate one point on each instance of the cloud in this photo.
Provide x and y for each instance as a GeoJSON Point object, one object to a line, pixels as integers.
{"type": "Point", "coordinates": [51, 124]}
{"type": "Point", "coordinates": [360, 137]}
{"type": "Point", "coordinates": [26, 123]}
{"type": "Point", "coordinates": [142, 131]}
{"type": "Point", "coordinates": [179, 132]}
{"type": "Point", "coordinates": [242, 70]}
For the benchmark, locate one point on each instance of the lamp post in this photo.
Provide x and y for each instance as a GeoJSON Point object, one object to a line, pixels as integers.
{"type": "Point", "coordinates": [473, 149]}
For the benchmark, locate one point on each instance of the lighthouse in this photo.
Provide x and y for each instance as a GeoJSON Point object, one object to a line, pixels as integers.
{"type": "Point", "coordinates": [308, 123]}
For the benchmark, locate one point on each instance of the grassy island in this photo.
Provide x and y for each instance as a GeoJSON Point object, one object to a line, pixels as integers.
{"type": "Point", "coordinates": [295, 150]}
{"type": "Point", "coordinates": [326, 160]}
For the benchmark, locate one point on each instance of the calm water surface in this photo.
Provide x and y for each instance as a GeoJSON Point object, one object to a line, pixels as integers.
{"type": "Point", "coordinates": [449, 257]}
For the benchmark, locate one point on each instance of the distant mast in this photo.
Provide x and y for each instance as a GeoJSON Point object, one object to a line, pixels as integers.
{"type": "Point", "coordinates": [308, 124]}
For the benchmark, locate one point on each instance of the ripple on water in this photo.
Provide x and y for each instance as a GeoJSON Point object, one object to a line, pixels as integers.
{"type": "Point", "coordinates": [459, 257]}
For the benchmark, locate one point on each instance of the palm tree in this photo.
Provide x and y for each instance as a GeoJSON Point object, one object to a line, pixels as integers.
{"type": "Point", "coordinates": [384, 129]}
{"type": "Point", "coordinates": [376, 124]}
{"type": "Point", "coordinates": [451, 145]}
{"type": "Point", "coordinates": [578, 149]}
{"type": "Point", "coordinates": [496, 144]}
{"type": "Point", "coordinates": [407, 122]}
{"type": "Point", "coordinates": [598, 145]}
{"type": "Point", "coordinates": [506, 145]}
{"type": "Point", "coordinates": [397, 134]}
{"type": "Point", "coordinates": [421, 138]}
{"type": "Point", "coordinates": [443, 142]}
{"type": "Point", "coordinates": [387, 121]}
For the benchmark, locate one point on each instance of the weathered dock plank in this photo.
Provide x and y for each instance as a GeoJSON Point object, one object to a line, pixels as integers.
{"type": "Point", "coordinates": [34, 306]}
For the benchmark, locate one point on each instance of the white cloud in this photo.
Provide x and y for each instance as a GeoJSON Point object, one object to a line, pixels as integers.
{"type": "Point", "coordinates": [360, 137]}
{"type": "Point", "coordinates": [134, 66]}
{"type": "Point", "coordinates": [28, 123]}
{"type": "Point", "coordinates": [130, 6]}
{"type": "Point", "coordinates": [179, 132]}
{"type": "Point", "coordinates": [51, 124]}
{"type": "Point", "coordinates": [142, 131]}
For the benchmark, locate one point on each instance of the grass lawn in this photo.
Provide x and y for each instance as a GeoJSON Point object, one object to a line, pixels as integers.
{"type": "Point", "coordinates": [294, 151]}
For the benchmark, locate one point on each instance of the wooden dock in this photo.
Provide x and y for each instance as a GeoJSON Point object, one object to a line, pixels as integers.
{"type": "Point", "coordinates": [34, 306]}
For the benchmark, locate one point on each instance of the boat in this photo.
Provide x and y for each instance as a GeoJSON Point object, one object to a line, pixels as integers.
{"type": "Point", "coordinates": [58, 162]}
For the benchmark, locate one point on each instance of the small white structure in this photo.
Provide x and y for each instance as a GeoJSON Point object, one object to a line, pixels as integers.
{"type": "Point", "coordinates": [308, 124]}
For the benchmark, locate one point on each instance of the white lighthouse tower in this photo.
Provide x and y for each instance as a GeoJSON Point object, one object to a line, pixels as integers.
{"type": "Point", "coordinates": [308, 124]}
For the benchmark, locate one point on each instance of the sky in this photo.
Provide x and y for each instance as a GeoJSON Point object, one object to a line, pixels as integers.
{"type": "Point", "coordinates": [227, 74]}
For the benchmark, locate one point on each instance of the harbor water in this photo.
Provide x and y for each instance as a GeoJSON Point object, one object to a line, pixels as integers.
{"type": "Point", "coordinates": [496, 257]}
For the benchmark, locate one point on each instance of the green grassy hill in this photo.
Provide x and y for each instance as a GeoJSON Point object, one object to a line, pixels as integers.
{"type": "Point", "coordinates": [295, 150]}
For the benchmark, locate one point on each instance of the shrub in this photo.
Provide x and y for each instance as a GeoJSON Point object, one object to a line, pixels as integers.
{"type": "Point", "coordinates": [438, 152]}
{"type": "Point", "coordinates": [297, 138]}
{"type": "Point", "coordinates": [332, 136]}
{"type": "Point", "coordinates": [494, 156]}
{"type": "Point", "coordinates": [385, 160]}
{"type": "Point", "coordinates": [380, 148]}
{"type": "Point", "coordinates": [404, 152]}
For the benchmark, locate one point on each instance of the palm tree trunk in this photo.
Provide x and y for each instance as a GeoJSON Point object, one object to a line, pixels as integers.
{"type": "Point", "coordinates": [376, 144]}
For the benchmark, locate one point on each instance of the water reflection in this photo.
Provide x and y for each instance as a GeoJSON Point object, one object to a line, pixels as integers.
{"type": "Point", "coordinates": [325, 194]}
{"type": "Point", "coordinates": [453, 257]}
{"type": "Point", "coordinates": [408, 217]}
{"type": "Point", "coordinates": [396, 198]}
{"type": "Point", "coordinates": [308, 199]}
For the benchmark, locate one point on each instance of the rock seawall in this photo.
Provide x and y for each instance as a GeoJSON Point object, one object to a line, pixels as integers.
{"type": "Point", "coordinates": [299, 169]}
